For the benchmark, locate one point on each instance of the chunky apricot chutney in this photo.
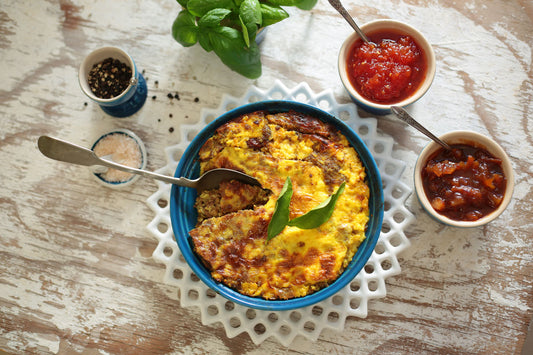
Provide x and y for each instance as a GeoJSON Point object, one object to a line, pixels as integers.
{"type": "Point", "coordinates": [464, 184]}
{"type": "Point", "coordinates": [389, 69]}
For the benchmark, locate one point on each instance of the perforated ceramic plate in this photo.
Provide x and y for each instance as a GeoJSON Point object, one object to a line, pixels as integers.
{"type": "Point", "coordinates": [309, 321]}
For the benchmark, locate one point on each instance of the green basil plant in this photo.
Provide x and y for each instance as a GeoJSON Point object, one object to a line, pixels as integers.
{"type": "Point", "coordinates": [229, 27]}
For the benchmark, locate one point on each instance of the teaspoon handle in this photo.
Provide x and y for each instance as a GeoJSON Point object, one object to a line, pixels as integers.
{"type": "Point", "coordinates": [404, 116]}
{"type": "Point", "coordinates": [338, 6]}
{"type": "Point", "coordinates": [61, 150]}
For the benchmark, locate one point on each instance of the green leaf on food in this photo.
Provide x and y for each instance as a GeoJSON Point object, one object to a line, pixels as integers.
{"type": "Point", "coordinates": [184, 29]}
{"type": "Point", "coordinates": [312, 219]}
{"type": "Point", "coordinates": [320, 214]}
{"type": "Point", "coordinates": [271, 14]}
{"type": "Point", "coordinates": [200, 7]}
{"type": "Point", "coordinates": [280, 217]}
{"type": "Point", "coordinates": [229, 46]}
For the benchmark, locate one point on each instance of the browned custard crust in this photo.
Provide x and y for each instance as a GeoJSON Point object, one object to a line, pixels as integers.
{"type": "Point", "coordinates": [232, 226]}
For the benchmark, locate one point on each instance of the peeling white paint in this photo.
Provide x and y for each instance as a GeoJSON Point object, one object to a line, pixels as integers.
{"type": "Point", "coordinates": [53, 278]}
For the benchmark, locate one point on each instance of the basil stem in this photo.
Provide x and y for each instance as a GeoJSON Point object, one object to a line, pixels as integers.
{"type": "Point", "coordinates": [280, 217]}
{"type": "Point", "coordinates": [320, 214]}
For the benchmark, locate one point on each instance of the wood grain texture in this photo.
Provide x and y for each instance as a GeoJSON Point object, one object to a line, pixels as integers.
{"type": "Point", "coordinates": [77, 275]}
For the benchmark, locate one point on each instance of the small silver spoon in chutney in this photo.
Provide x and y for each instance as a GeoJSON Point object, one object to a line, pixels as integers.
{"type": "Point", "coordinates": [407, 118]}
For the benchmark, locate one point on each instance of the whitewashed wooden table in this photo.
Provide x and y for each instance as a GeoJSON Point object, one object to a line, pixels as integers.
{"type": "Point", "coordinates": [77, 273]}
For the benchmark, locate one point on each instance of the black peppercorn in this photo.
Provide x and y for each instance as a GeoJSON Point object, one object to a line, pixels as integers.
{"type": "Point", "coordinates": [109, 78]}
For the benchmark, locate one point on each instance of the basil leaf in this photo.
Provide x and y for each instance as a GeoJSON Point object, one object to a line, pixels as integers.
{"type": "Point", "coordinates": [250, 10]}
{"type": "Point", "coordinates": [184, 29]}
{"type": "Point", "coordinates": [245, 34]}
{"type": "Point", "coordinates": [230, 47]}
{"type": "Point", "coordinates": [272, 14]}
{"type": "Point", "coordinates": [210, 20]}
{"type": "Point", "coordinates": [183, 3]}
{"type": "Point", "coordinates": [204, 40]}
{"type": "Point", "coordinates": [280, 217]}
{"type": "Point", "coordinates": [250, 17]}
{"type": "Point", "coordinates": [201, 7]}
{"type": "Point", "coordinates": [320, 214]}
{"type": "Point", "coordinates": [306, 4]}
{"type": "Point", "coordinates": [213, 17]}
{"type": "Point", "coordinates": [283, 2]}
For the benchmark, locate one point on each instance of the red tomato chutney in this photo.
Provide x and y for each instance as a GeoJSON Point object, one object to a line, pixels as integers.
{"type": "Point", "coordinates": [387, 70]}
{"type": "Point", "coordinates": [464, 184]}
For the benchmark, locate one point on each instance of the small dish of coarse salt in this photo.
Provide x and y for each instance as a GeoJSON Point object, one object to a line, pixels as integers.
{"type": "Point", "coordinates": [124, 147]}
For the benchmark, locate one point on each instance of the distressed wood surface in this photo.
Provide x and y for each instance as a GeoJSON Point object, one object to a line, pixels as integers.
{"type": "Point", "coordinates": [77, 274]}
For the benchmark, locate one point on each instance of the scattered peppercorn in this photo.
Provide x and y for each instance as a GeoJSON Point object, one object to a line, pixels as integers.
{"type": "Point", "coordinates": [171, 129]}
{"type": "Point", "coordinates": [154, 97]}
{"type": "Point", "coordinates": [170, 115]}
{"type": "Point", "coordinates": [196, 99]}
{"type": "Point", "coordinates": [176, 96]}
{"type": "Point", "coordinates": [85, 104]}
{"type": "Point", "coordinates": [170, 96]}
{"type": "Point", "coordinates": [109, 78]}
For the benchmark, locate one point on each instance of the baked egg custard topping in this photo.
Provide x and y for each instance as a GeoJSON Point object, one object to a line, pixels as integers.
{"type": "Point", "coordinates": [231, 234]}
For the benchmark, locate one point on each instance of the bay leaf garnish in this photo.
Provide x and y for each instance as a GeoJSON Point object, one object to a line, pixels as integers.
{"type": "Point", "coordinates": [320, 214]}
{"type": "Point", "coordinates": [280, 217]}
{"type": "Point", "coordinates": [311, 219]}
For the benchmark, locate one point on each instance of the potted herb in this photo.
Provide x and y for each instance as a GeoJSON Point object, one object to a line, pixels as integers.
{"type": "Point", "coordinates": [229, 28]}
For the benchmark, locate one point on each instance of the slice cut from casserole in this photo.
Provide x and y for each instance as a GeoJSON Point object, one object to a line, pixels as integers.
{"type": "Point", "coordinates": [231, 196]}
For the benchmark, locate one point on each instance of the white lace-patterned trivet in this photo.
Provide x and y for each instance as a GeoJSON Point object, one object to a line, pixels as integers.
{"type": "Point", "coordinates": [331, 313]}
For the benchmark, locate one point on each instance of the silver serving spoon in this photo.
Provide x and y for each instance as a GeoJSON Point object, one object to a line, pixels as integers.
{"type": "Point", "coordinates": [407, 118]}
{"type": "Point", "coordinates": [338, 6]}
{"type": "Point", "coordinates": [71, 153]}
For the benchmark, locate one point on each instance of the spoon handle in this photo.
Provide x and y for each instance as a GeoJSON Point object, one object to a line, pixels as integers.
{"type": "Point", "coordinates": [407, 118]}
{"type": "Point", "coordinates": [338, 6]}
{"type": "Point", "coordinates": [60, 150]}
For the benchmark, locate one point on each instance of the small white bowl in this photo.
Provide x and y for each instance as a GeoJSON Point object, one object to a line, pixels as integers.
{"type": "Point", "coordinates": [397, 27]}
{"type": "Point", "coordinates": [131, 99]}
{"type": "Point", "coordinates": [473, 139]}
{"type": "Point", "coordinates": [98, 172]}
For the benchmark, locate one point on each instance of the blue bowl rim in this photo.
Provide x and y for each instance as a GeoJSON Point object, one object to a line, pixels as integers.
{"type": "Point", "coordinates": [181, 212]}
